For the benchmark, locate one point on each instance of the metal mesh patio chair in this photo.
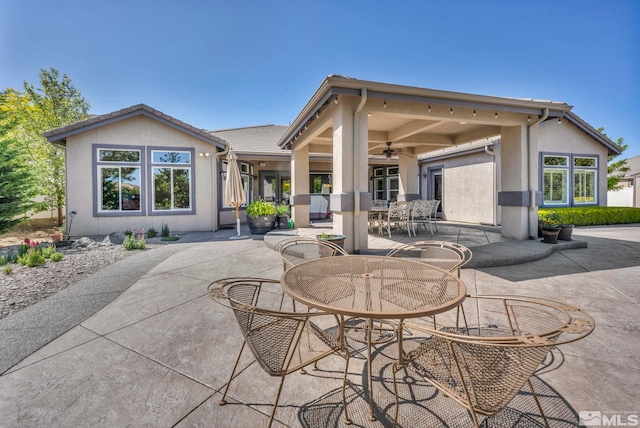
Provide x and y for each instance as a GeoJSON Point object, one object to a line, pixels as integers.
{"type": "Point", "coordinates": [281, 341]}
{"type": "Point", "coordinates": [449, 256]}
{"type": "Point", "coordinates": [421, 216]}
{"type": "Point", "coordinates": [300, 249]}
{"type": "Point", "coordinates": [488, 348]}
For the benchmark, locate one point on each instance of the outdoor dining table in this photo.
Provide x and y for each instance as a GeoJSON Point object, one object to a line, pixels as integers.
{"type": "Point", "coordinates": [373, 287]}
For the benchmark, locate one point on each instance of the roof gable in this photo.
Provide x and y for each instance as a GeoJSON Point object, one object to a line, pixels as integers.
{"type": "Point", "coordinates": [59, 135]}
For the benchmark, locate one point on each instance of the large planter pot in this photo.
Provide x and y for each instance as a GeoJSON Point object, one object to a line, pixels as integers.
{"type": "Point", "coordinates": [566, 230]}
{"type": "Point", "coordinates": [334, 239]}
{"type": "Point", "coordinates": [550, 235]}
{"type": "Point", "coordinates": [283, 222]}
{"type": "Point", "coordinates": [262, 224]}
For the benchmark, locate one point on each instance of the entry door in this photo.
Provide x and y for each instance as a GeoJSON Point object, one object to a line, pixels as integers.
{"type": "Point", "coordinates": [436, 187]}
{"type": "Point", "coordinates": [275, 187]}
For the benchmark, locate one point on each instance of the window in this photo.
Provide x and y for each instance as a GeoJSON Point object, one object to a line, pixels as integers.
{"type": "Point", "coordinates": [118, 173]}
{"type": "Point", "coordinates": [584, 180]}
{"type": "Point", "coordinates": [378, 188]}
{"type": "Point", "coordinates": [392, 188]}
{"type": "Point", "coordinates": [558, 186]}
{"type": "Point", "coordinates": [171, 181]}
{"type": "Point", "coordinates": [319, 182]}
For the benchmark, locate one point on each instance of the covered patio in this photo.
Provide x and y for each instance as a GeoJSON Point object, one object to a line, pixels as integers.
{"type": "Point", "coordinates": [357, 121]}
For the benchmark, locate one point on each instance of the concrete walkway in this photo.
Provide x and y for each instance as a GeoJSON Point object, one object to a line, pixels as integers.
{"type": "Point", "coordinates": [159, 354]}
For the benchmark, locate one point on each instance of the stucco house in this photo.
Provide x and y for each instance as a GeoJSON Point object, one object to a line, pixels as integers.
{"type": "Point", "coordinates": [490, 159]}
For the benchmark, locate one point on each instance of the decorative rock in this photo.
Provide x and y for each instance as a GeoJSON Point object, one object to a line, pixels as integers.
{"type": "Point", "coordinates": [82, 242]}
{"type": "Point", "coordinates": [116, 238]}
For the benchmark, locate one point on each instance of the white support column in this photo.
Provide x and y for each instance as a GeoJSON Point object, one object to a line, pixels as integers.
{"type": "Point", "coordinates": [300, 186]}
{"type": "Point", "coordinates": [408, 177]}
{"type": "Point", "coordinates": [346, 165]}
{"type": "Point", "coordinates": [514, 197]}
{"type": "Point", "coordinates": [536, 193]}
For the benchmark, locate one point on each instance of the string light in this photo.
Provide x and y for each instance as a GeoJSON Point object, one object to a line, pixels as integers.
{"type": "Point", "coordinates": [495, 116]}
{"type": "Point", "coordinates": [474, 112]}
{"type": "Point", "coordinates": [336, 100]}
{"type": "Point", "coordinates": [451, 110]}
{"type": "Point", "coordinates": [384, 104]}
{"type": "Point", "coordinates": [317, 115]}
{"type": "Point", "coordinates": [559, 121]}
{"type": "Point", "coordinates": [529, 118]}
{"type": "Point", "coordinates": [429, 109]}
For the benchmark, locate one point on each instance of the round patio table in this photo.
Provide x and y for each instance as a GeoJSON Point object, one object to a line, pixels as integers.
{"type": "Point", "coordinates": [373, 287]}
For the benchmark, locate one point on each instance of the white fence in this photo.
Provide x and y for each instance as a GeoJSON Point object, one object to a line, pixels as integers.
{"type": "Point", "coordinates": [620, 198]}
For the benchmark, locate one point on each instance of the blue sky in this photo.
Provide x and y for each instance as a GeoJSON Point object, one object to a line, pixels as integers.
{"type": "Point", "coordinates": [224, 64]}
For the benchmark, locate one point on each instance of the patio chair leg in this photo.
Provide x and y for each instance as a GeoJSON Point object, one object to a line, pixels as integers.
{"type": "Point", "coordinates": [222, 401]}
{"type": "Point", "coordinates": [535, 397]}
{"type": "Point", "coordinates": [347, 420]}
{"type": "Point", "coordinates": [275, 405]}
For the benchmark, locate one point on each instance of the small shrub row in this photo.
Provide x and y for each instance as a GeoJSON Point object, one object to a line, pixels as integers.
{"type": "Point", "coordinates": [30, 254]}
{"type": "Point", "coordinates": [592, 216]}
{"type": "Point", "coordinates": [132, 242]}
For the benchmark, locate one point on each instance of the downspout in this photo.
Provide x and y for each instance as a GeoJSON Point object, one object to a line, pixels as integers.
{"type": "Point", "coordinates": [495, 185]}
{"type": "Point", "coordinates": [532, 199]}
{"type": "Point", "coordinates": [214, 182]}
{"type": "Point", "coordinates": [356, 171]}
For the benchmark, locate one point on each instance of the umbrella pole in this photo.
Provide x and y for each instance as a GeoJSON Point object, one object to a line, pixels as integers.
{"type": "Point", "coordinates": [237, 220]}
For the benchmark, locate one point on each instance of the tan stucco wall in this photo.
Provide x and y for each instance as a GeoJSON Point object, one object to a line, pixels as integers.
{"type": "Point", "coordinates": [567, 138]}
{"type": "Point", "coordinates": [468, 193]}
{"type": "Point", "coordinates": [137, 131]}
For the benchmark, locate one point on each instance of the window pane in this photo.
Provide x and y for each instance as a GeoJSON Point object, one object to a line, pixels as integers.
{"type": "Point", "coordinates": [584, 162]}
{"type": "Point", "coordinates": [118, 155]}
{"type": "Point", "coordinates": [171, 157]}
{"type": "Point", "coordinates": [556, 161]}
{"type": "Point", "coordinates": [584, 187]}
{"type": "Point", "coordinates": [378, 172]}
{"type": "Point", "coordinates": [110, 179]}
{"type": "Point", "coordinates": [162, 188]}
{"type": "Point", "coordinates": [392, 188]}
{"type": "Point", "coordinates": [555, 186]}
{"type": "Point", "coordinates": [130, 189]}
{"type": "Point", "coordinates": [392, 171]}
{"type": "Point", "coordinates": [181, 196]}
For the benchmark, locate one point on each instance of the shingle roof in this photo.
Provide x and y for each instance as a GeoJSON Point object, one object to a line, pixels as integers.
{"type": "Point", "coordinates": [59, 135]}
{"type": "Point", "coordinates": [254, 139]}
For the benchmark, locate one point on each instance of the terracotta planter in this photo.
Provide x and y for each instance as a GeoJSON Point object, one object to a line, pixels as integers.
{"type": "Point", "coordinates": [56, 237]}
{"type": "Point", "coordinates": [550, 235]}
{"type": "Point", "coordinates": [566, 230]}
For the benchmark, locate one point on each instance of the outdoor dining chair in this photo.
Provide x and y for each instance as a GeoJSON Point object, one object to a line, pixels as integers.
{"type": "Point", "coordinates": [281, 341]}
{"type": "Point", "coordinates": [448, 256]}
{"type": "Point", "coordinates": [398, 217]}
{"type": "Point", "coordinates": [421, 216]}
{"type": "Point", "coordinates": [296, 250]}
{"type": "Point", "coordinates": [489, 347]}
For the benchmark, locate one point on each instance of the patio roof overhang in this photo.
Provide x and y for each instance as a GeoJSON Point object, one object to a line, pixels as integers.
{"type": "Point", "coordinates": [415, 120]}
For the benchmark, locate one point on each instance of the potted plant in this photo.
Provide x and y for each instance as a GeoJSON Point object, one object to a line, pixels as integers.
{"type": "Point", "coordinates": [333, 238]}
{"type": "Point", "coordinates": [550, 228]}
{"type": "Point", "coordinates": [282, 212]}
{"type": "Point", "coordinates": [261, 216]}
{"type": "Point", "coordinates": [566, 230]}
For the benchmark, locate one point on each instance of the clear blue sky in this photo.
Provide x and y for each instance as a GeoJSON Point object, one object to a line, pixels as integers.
{"type": "Point", "coordinates": [223, 64]}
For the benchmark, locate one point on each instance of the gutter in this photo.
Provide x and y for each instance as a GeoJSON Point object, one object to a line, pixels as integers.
{"type": "Point", "coordinates": [532, 201]}
{"type": "Point", "coordinates": [356, 170]}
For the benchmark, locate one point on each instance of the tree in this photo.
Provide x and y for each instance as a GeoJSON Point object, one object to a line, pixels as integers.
{"type": "Point", "coordinates": [17, 187]}
{"type": "Point", "coordinates": [618, 169]}
{"type": "Point", "coordinates": [56, 103]}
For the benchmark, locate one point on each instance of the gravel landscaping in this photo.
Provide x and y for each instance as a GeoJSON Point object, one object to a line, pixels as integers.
{"type": "Point", "coordinates": [26, 286]}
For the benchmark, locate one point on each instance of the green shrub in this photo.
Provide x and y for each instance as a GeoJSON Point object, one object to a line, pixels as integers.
{"type": "Point", "coordinates": [56, 257]}
{"type": "Point", "coordinates": [48, 251]}
{"type": "Point", "coordinates": [259, 208]}
{"type": "Point", "coordinates": [152, 233]}
{"type": "Point", "coordinates": [282, 209]}
{"type": "Point", "coordinates": [593, 216]}
{"type": "Point", "coordinates": [22, 249]}
{"type": "Point", "coordinates": [32, 258]}
{"type": "Point", "coordinates": [7, 270]}
{"type": "Point", "coordinates": [170, 238]}
{"type": "Point", "coordinates": [12, 257]}
{"type": "Point", "coordinates": [165, 233]}
{"type": "Point", "coordinates": [131, 243]}
{"type": "Point", "coordinates": [3, 260]}
{"type": "Point", "coordinates": [129, 232]}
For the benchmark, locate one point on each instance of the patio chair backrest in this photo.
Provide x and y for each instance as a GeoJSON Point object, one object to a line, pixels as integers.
{"type": "Point", "coordinates": [399, 210]}
{"type": "Point", "coordinates": [445, 255]}
{"type": "Point", "coordinates": [300, 249]}
{"type": "Point", "coordinates": [492, 345]}
{"type": "Point", "coordinates": [379, 203]}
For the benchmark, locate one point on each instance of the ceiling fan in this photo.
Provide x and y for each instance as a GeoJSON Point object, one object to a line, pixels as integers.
{"type": "Point", "coordinates": [388, 152]}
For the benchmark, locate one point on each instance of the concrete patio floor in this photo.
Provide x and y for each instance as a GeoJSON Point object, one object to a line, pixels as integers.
{"type": "Point", "coordinates": [161, 352]}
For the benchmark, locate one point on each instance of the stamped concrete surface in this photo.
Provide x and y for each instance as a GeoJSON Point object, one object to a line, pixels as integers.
{"type": "Point", "coordinates": [161, 352]}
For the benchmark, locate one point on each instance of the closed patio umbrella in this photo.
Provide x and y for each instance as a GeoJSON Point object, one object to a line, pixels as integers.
{"type": "Point", "coordinates": [234, 195]}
